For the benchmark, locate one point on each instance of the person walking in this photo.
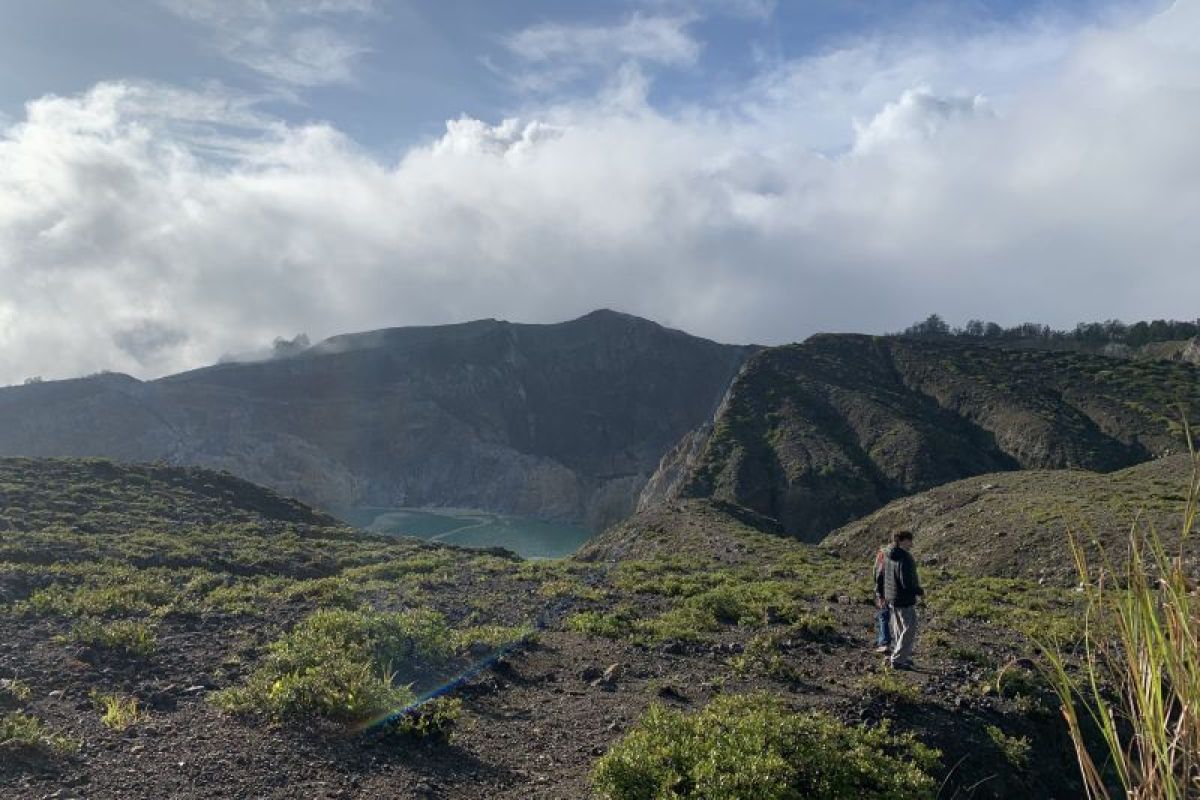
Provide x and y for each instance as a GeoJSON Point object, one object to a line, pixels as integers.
{"type": "Point", "coordinates": [883, 635]}
{"type": "Point", "coordinates": [901, 588]}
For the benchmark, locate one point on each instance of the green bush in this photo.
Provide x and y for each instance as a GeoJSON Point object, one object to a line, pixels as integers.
{"type": "Point", "coordinates": [13, 692]}
{"type": "Point", "coordinates": [343, 665]}
{"type": "Point", "coordinates": [23, 736]}
{"type": "Point", "coordinates": [432, 719]}
{"type": "Point", "coordinates": [752, 747]}
{"type": "Point", "coordinates": [126, 636]}
{"type": "Point", "coordinates": [1014, 748]}
{"type": "Point", "coordinates": [611, 625]}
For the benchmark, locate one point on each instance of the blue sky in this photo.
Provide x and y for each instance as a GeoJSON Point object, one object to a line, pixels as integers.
{"type": "Point", "coordinates": [410, 66]}
{"type": "Point", "coordinates": [185, 179]}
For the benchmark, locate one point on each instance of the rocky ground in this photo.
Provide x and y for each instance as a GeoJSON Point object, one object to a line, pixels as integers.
{"type": "Point", "coordinates": [704, 605]}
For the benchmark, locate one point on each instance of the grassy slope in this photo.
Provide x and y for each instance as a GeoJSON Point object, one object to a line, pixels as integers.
{"type": "Point", "coordinates": [1016, 524]}
{"type": "Point", "coordinates": [709, 607]}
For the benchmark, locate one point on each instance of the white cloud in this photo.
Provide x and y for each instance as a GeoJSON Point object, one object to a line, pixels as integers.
{"type": "Point", "coordinates": [549, 55]}
{"type": "Point", "coordinates": [288, 41]}
{"type": "Point", "coordinates": [126, 244]}
{"type": "Point", "coordinates": [917, 116]}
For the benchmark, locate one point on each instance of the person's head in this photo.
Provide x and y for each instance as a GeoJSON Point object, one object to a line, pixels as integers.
{"type": "Point", "coordinates": [902, 539]}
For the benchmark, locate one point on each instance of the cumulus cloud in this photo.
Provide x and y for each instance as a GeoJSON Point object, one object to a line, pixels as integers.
{"type": "Point", "coordinates": [284, 40]}
{"type": "Point", "coordinates": [918, 115]}
{"type": "Point", "coordinates": [129, 241]}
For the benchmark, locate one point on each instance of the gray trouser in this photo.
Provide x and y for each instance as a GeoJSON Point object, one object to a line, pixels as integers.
{"type": "Point", "coordinates": [904, 633]}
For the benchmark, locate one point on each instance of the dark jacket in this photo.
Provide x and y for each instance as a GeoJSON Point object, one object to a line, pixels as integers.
{"type": "Point", "coordinates": [897, 581]}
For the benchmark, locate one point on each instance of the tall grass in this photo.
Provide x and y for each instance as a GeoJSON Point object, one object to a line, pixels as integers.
{"type": "Point", "coordinates": [1131, 699]}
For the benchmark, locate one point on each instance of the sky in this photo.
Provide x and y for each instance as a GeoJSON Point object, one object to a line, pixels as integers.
{"type": "Point", "coordinates": [185, 180]}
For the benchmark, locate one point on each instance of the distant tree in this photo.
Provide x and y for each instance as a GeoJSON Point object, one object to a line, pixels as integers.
{"type": "Point", "coordinates": [933, 327]}
{"type": "Point", "coordinates": [1093, 335]}
{"type": "Point", "coordinates": [32, 380]}
{"type": "Point", "coordinates": [1138, 335]}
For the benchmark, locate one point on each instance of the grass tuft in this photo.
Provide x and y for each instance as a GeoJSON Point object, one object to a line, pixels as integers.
{"type": "Point", "coordinates": [118, 711]}
{"type": "Point", "coordinates": [1139, 685]}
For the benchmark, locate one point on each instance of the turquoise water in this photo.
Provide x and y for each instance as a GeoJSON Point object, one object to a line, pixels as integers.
{"type": "Point", "coordinates": [529, 538]}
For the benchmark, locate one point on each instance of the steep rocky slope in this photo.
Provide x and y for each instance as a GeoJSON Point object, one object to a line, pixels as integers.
{"type": "Point", "coordinates": [557, 421]}
{"type": "Point", "coordinates": [816, 434]}
{"type": "Point", "coordinates": [1016, 524]}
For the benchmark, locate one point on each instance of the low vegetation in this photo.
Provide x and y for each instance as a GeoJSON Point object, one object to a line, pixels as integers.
{"type": "Point", "coordinates": [1015, 749]}
{"type": "Point", "coordinates": [118, 711]}
{"type": "Point", "coordinates": [130, 637]}
{"type": "Point", "coordinates": [25, 737]}
{"type": "Point", "coordinates": [354, 666]}
{"type": "Point", "coordinates": [1140, 682]}
{"type": "Point", "coordinates": [755, 748]}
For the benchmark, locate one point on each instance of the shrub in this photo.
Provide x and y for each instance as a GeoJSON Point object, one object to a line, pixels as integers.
{"type": "Point", "coordinates": [13, 692]}
{"type": "Point", "coordinates": [432, 719]}
{"type": "Point", "coordinates": [127, 636]}
{"type": "Point", "coordinates": [343, 665]}
{"type": "Point", "coordinates": [1014, 748]}
{"type": "Point", "coordinates": [611, 625]}
{"type": "Point", "coordinates": [762, 655]}
{"type": "Point", "coordinates": [752, 747]}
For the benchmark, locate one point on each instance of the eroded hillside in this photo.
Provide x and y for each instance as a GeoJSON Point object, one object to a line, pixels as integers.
{"type": "Point", "coordinates": [817, 434]}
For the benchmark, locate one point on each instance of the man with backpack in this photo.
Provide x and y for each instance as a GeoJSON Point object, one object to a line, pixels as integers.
{"type": "Point", "coordinates": [900, 587]}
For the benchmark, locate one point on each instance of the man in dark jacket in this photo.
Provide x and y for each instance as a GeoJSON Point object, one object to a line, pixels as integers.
{"type": "Point", "coordinates": [900, 587]}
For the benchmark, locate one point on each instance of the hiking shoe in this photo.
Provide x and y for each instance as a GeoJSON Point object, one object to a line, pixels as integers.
{"type": "Point", "coordinates": [905, 666]}
{"type": "Point", "coordinates": [882, 648]}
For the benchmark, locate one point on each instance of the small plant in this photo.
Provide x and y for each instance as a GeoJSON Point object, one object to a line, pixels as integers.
{"type": "Point", "coordinates": [127, 636]}
{"type": "Point", "coordinates": [432, 719]}
{"type": "Point", "coordinates": [752, 747]}
{"type": "Point", "coordinates": [969, 655]}
{"type": "Point", "coordinates": [117, 711]}
{"type": "Point", "coordinates": [1014, 748]}
{"type": "Point", "coordinates": [1139, 685]}
{"type": "Point", "coordinates": [890, 686]}
{"type": "Point", "coordinates": [13, 692]}
{"type": "Point", "coordinates": [568, 587]}
{"type": "Point", "coordinates": [23, 737]}
{"type": "Point", "coordinates": [763, 655]}
{"type": "Point", "coordinates": [611, 625]}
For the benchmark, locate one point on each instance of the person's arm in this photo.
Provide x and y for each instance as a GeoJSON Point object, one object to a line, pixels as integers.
{"type": "Point", "coordinates": [911, 579]}
{"type": "Point", "coordinates": [878, 582]}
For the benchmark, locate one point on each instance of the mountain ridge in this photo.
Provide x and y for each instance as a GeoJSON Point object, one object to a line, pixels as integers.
{"type": "Point", "coordinates": [819, 433]}
{"type": "Point", "coordinates": [562, 421]}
